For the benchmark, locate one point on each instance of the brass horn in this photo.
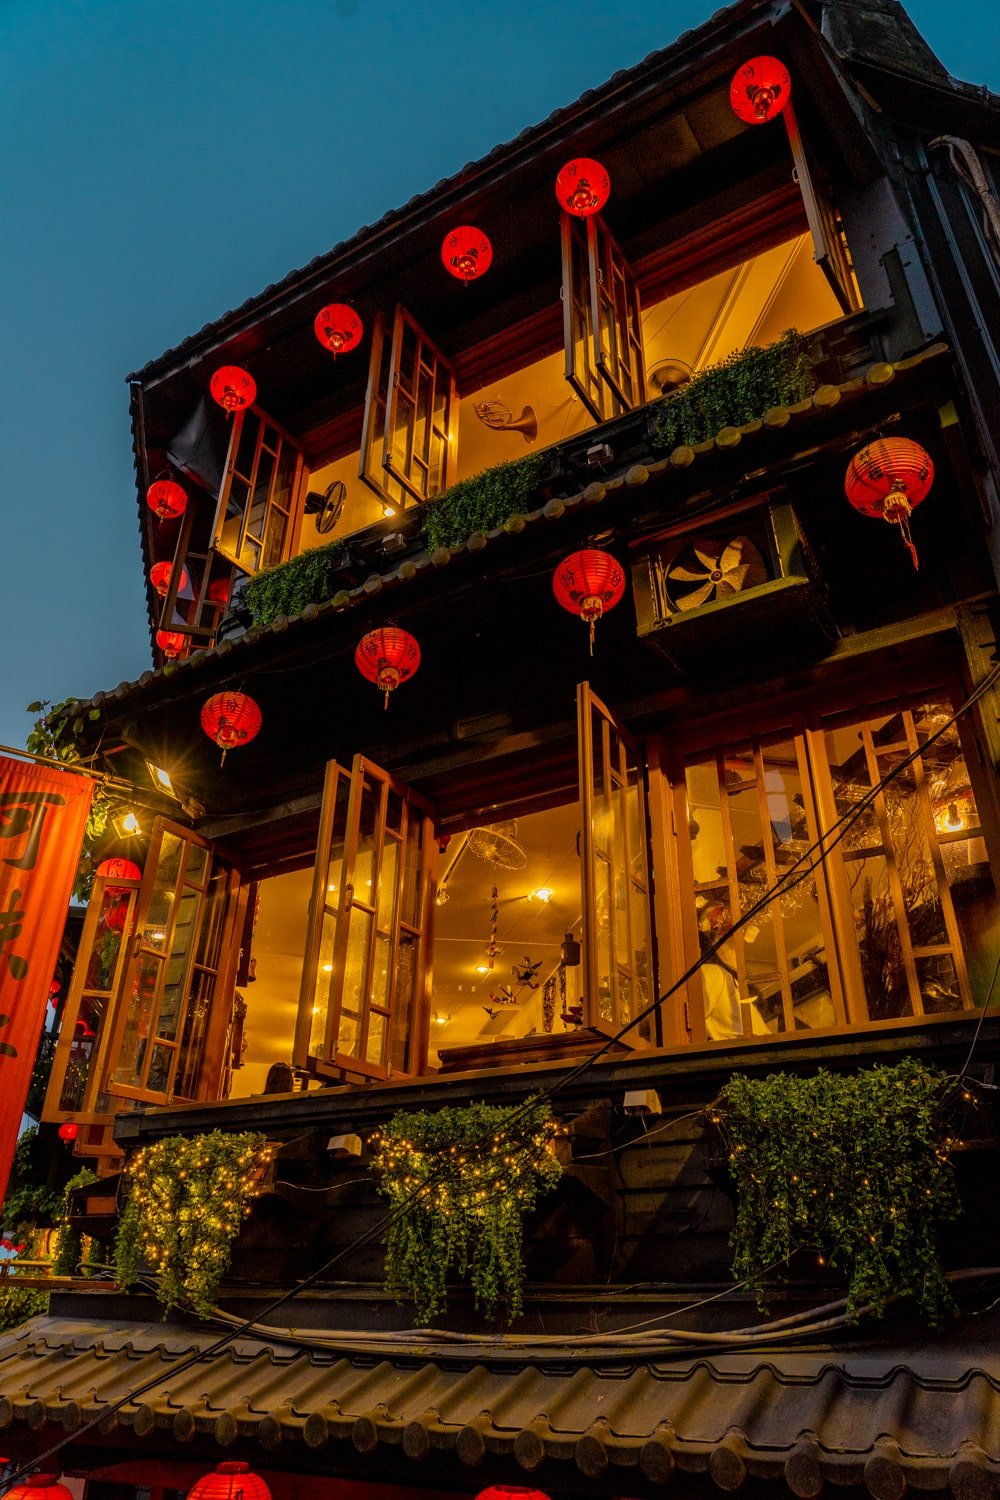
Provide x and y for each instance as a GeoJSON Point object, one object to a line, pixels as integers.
{"type": "Point", "coordinates": [496, 415]}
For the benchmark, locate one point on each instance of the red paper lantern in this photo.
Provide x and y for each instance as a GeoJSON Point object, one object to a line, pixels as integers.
{"type": "Point", "coordinates": [511, 1491]}
{"type": "Point", "coordinates": [38, 1486]}
{"type": "Point", "coordinates": [119, 869]}
{"type": "Point", "coordinates": [171, 642]}
{"type": "Point", "coordinates": [116, 915]}
{"type": "Point", "coordinates": [69, 1130]}
{"type": "Point", "coordinates": [230, 1481]}
{"type": "Point", "coordinates": [218, 592]}
{"type": "Point", "coordinates": [466, 252]}
{"type": "Point", "coordinates": [583, 187]}
{"type": "Point", "coordinates": [760, 90]}
{"type": "Point", "coordinates": [387, 657]}
{"type": "Point", "coordinates": [886, 479]}
{"type": "Point", "coordinates": [588, 583]}
{"type": "Point", "coordinates": [233, 388]}
{"type": "Point", "coordinates": [338, 328]}
{"type": "Point", "coordinates": [231, 720]}
{"type": "Point", "coordinates": [167, 499]}
{"type": "Point", "coordinates": [160, 575]}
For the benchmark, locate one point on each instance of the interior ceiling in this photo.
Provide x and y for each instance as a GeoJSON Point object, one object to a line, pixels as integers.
{"type": "Point", "coordinates": [528, 927]}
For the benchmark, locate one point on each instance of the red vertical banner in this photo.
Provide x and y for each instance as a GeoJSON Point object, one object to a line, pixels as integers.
{"type": "Point", "coordinates": [43, 817]}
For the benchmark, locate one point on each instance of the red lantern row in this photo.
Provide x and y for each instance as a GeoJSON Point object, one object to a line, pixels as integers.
{"type": "Point", "coordinates": [237, 1481]}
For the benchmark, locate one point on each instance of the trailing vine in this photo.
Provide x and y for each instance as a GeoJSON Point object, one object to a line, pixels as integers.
{"type": "Point", "coordinates": [310, 578]}
{"type": "Point", "coordinates": [69, 1240]}
{"type": "Point", "coordinates": [853, 1168]}
{"type": "Point", "coordinates": [56, 736]}
{"type": "Point", "coordinates": [484, 1168]}
{"type": "Point", "coordinates": [741, 389]}
{"type": "Point", "coordinates": [187, 1197]}
{"type": "Point", "coordinates": [482, 503]}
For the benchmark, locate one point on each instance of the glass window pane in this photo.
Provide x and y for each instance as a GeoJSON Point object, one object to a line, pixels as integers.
{"type": "Point", "coordinates": [138, 1016]}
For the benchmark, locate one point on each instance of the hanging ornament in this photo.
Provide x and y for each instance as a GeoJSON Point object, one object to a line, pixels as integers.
{"type": "Point", "coordinates": [760, 90]}
{"type": "Point", "coordinates": [38, 1486]}
{"type": "Point", "coordinates": [493, 947]}
{"type": "Point", "coordinates": [387, 657]}
{"type": "Point", "coordinates": [160, 575]}
{"type": "Point", "coordinates": [118, 869]}
{"type": "Point", "coordinates": [230, 1481]}
{"type": "Point", "coordinates": [886, 479]}
{"type": "Point", "coordinates": [171, 643]}
{"type": "Point", "coordinates": [69, 1130]}
{"type": "Point", "coordinates": [231, 720]}
{"type": "Point", "coordinates": [583, 187]}
{"type": "Point", "coordinates": [233, 388]}
{"type": "Point", "coordinates": [338, 328]}
{"type": "Point", "coordinates": [588, 583]}
{"type": "Point", "coordinates": [166, 499]}
{"type": "Point", "coordinates": [218, 592]}
{"type": "Point", "coordinates": [466, 252]}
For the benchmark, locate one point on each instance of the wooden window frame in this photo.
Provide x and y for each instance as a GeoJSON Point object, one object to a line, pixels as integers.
{"type": "Point", "coordinates": [830, 250]}
{"type": "Point", "coordinates": [235, 555]}
{"type": "Point", "coordinates": [396, 1011]}
{"type": "Point", "coordinates": [429, 384]}
{"type": "Point", "coordinates": [602, 320]}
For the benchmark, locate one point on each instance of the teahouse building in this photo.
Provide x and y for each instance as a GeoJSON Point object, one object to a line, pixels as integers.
{"type": "Point", "coordinates": [539, 659]}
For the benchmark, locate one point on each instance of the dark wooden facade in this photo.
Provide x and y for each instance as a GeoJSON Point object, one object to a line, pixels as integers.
{"type": "Point", "coordinates": [794, 692]}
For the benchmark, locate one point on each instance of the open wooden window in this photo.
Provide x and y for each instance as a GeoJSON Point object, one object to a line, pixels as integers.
{"type": "Point", "coordinates": [364, 1004]}
{"type": "Point", "coordinates": [618, 979]}
{"type": "Point", "coordinates": [829, 245]}
{"type": "Point", "coordinates": [411, 409]}
{"type": "Point", "coordinates": [886, 927]}
{"type": "Point", "coordinates": [601, 320]}
{"type": "Point", "coordinates": [254, 518]}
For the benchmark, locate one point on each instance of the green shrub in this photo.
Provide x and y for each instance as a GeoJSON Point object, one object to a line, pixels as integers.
{"type": "Point", "coordinates": [741, 389]}
{"type": "Point", "coordinates": [482, 503]}
{"type": "Point", "coordinates": [310, 578]}
{"type": "Point", "coordinates": [852, 1168]}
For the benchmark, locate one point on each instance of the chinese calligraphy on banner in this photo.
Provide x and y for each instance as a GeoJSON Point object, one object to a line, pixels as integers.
{"type": "Point", "coordinates": [43, 816]}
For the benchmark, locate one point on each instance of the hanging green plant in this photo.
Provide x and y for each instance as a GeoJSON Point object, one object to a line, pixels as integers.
{"type": "Point", "coordinates": [56, 736]}
{"type": "Point", "coordinates": [69, 1240]}
{"type": "Point", "coordinates": [187, 1197]}
{"type": "Point", "coordinates": [741, 389]}
{"type": "Point", "coordinates": [482, 503]}
{"type": "Point", "coordinates": [853, 1168]}
{"type": "Point", "coordinates": [483, 1167]}
{"type": "Point", "coordinates": [310, 578]}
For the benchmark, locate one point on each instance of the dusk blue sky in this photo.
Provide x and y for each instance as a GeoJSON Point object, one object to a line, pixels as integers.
{"type": "Point", "coordinates": [162, 160]}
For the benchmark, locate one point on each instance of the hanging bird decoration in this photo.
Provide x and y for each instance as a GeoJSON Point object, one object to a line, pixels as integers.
{"type": "Point", "coordinates": [526, 972]}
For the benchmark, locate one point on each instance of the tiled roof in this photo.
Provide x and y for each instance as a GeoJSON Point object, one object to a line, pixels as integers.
{"type": "Point", "coordinates": [926, 1415]}
{"type": "Point", "coordinates": [825, 401]}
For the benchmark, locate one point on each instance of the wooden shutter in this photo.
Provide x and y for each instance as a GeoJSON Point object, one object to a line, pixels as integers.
{"type": "Point", "coordinates": [255, 516]}
{"type": "Point", "coordinates": [618, 969]}
{"type": "Point", "coordinates": [829, 246]}
{"type": "Point", "coordinates": [411, 415]}
{"type": "Point", "coordinates": [601, 320]}
{"type": "Point", "coordinates": [174, 999]}
{"type": "Point", "coordinates": [365, 1002]}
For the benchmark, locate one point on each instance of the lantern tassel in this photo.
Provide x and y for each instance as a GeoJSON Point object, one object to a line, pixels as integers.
{"type": "Point", "coordinates": [591, 637]}
{"type": "Point", "coordinates": [903, 522]}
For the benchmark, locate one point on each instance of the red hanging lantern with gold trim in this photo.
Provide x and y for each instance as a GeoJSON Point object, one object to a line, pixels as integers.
{"type": "Point", "coordinates": [171, 642]}
{"type": "Point", "coordinates": [588, 583]}
{"type": "Point", "coordinates": [338, 328]}
{"type": "Point", "coordinates": [231, 720]}
{"type": "Point", "coordinates": [887, 479]}
{"type": "Point", "coordinates": [160, 575]}
{"type": "Point", "coordinates": [511, 1492]}
{"type": "Point", "coordinates": [760, 90]}
{"type": "Point", "coordinates": [230, 1481]}
{"type": "Point", "coordinates": [38, 1486]}
{"type": "Point", "coordinates": [233, 388]}
{"type": "Point", "coordinates": [118, 868]}
{"type": "Point", "coordinates": [583, 186]}
{"type": "Point", "coordinates": [466, 252]}
{"type": "Point", "coordinates": [387, 657]}
{"type": "Point", "coordinates": [166, 499]}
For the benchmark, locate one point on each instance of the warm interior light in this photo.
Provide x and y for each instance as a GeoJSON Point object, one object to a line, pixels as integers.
{"type": "Point", "coordinates": [328, 968]}
{"type": "Point", "coordinates": [127, 823]}
{"type": "Point", "coordinates": [482, 968]}
{"type": "Point", "coordinates": [441, 1020]}
{"type": "Point", "coordinates": [543, 893]}
{"type": "Point", "coordinates": [442, 898]}
{"type": "Point", "coordinates": [953, 818]}
{"type": "Point", "coordinates": [160, 778]}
